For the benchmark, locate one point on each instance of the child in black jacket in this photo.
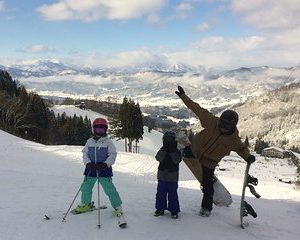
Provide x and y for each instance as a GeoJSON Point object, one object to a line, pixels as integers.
{"type": "Point", "coordinates": [169, 158]}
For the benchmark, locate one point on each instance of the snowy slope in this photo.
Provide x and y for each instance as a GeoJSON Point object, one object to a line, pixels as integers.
{"type": "Point", "coordinates": [145, 145]}
{"type": "Point", "coordinates": [36, 179]}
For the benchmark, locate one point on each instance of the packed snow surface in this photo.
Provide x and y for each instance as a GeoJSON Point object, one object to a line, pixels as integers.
{"type": "Point", "coordinates": [36, 180]}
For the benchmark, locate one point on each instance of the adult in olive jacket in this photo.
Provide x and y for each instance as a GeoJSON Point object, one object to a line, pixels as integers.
{"type": "Point", "coordinates": [218, 138]}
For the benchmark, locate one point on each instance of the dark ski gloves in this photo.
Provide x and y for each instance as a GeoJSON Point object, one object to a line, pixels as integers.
{"type": "Point", "coordinates": [96, 166]}
{"type": "Point", "coordinates": [170, 147]}
{"type": "Point", "coordinates": [250, 159]}
{"type": "Point", "coordinates": [180, 91]}
{"type": "Point", "coordinates": [187, 152]}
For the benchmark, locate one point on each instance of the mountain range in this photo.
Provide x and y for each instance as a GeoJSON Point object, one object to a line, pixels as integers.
{"type": "Point", "coordinates": [267, 99]}
{"type": "Point", "coordinates": [152, 84]}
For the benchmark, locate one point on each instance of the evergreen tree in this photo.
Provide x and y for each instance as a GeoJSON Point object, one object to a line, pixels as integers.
{"type": "Point", "coordinates": [138, 124]}
{"type": "Point", "coordinates": [260, 145]}
{"type": "Point", "coordinates": [128, 124]}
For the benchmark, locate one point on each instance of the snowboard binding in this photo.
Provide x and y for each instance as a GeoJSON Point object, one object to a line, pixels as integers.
{"type": "Point", "coordinates": [252, 190]}
{"type": "Point", "coordinates": [248, 210]}
{"type": "Point", "coordinates": [250, 182]}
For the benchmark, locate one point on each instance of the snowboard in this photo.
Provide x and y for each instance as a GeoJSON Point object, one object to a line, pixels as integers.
{"type": "Point", "coordinates": [245, 208]}
{"type": "Point", "coordinates": [222, 196]}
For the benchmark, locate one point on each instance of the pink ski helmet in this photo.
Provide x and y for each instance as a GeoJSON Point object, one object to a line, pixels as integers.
{"type": "Point", "coordinates": [100, 121]}
{"type": "Point", "coordinates": [100, 127]}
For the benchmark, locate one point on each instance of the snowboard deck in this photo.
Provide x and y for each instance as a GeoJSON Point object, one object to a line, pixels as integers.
{"type": "Point", "coordinates": [222, 196]}
{"type": "Point", "coordinates": [245, 208]}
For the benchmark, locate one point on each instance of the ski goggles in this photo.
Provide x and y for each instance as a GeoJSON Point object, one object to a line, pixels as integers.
{"type": "Point", "coordinates": [100, 130]}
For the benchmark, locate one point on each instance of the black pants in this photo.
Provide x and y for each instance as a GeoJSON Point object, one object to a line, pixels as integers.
{"type": "Point", "coordinates": [208, 189]}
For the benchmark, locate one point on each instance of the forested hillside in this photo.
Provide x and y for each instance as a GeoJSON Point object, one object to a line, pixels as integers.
{"type": "Point", "coordinates": [26, 115]}
{"type": "Point", "coordinates": [274, 117]}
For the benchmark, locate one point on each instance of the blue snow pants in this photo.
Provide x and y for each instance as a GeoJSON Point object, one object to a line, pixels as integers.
{"type": "Point", "coordinates": [167, 197]}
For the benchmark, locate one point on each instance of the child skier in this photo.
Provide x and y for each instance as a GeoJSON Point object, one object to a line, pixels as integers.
{"type": "Point", "coordinates": [169, 158]}
{"type": "Point", "coordinates": [99, 154]}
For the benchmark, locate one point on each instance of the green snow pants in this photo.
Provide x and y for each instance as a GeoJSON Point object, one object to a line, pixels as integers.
{"type": "Point", "coordinates": [108, 188]}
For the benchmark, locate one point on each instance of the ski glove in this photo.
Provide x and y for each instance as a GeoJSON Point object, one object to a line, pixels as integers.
{"type": "Point", "coordinates": [170, 147]}
{"type": "Point", "coordinates": [101, 165]}
{"type": "Point", "coordinates": [180, 91]}
{"type": "Point", "coordinates": [250, 159]}
{"type": "Point", "coordinates": [96, 166]}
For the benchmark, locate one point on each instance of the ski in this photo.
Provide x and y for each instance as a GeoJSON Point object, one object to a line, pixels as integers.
{"type": "Point", "coordinates": [94, 209]}
{"type": "Point", "coordinates": [49, 217]}
{"type": "Point", "coordinates": [245, 208]}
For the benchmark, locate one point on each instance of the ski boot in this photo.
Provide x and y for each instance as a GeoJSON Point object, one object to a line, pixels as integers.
{"type": "Point", "coordinates": [204, 212]}
{"type": "Point", "coordinates": [84, 208]}
{"type": "Point", "coordinates": [118, 211]}
{"type": "Point", "coordinates": [159, 213]}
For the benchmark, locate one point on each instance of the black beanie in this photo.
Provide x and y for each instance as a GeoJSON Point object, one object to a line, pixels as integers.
{"type": "Point", "coordinates": [229, 120]}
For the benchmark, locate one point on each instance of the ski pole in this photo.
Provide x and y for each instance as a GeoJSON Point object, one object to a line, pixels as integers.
{"type": "Point", "coordinates": [99, 226]}
{"type": "Point", "coordinates": [66, 214]}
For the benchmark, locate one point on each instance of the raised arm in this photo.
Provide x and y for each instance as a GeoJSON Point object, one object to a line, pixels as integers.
{"type": "Point", "coordinates": [206, 118]}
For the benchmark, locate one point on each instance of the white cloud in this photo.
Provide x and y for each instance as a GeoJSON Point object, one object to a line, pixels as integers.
{"type": "Point", "coordinates": [202, 27]}
{"type": "Point", "coordinates": [125, 59]}
{"type": "Point", "coordinates": [267, 49]}
{"type": "Point", "coordinates": [216, 51]}
{"type": "Point", "coordinates": [2, 5]}
{"type": "Point", "coordinates": [92, 10]}
{"type": "Point", "coordinates": [183, 9]}
{"type": "Point", "coordinates": [153, 19]}
{"type": "Point", "coordinates": [268, 13]}
{"type": "Point", "coordinates": [221, 44]}
{"type": "Point", "coordinates": [38, 48]}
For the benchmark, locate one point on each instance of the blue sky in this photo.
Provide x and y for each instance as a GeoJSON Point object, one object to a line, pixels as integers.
{"type": "Point", "coordinates": [213, 33]}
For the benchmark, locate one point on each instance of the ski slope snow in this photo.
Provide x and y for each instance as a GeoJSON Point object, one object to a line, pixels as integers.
{"type": "Point", "coordinates": [36, 179]}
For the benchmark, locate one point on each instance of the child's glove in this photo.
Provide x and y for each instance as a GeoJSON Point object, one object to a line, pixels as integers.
{"type": "Point", "coordinates": [90, 166]}
{"type": "Point", "coordinates": [170, 147]}
{"type": "Point", "coordinates": [96, 166]}
{"type": "Point", "coordinates": [101, 165]}
{"type": "Point", "coordinates": [187, 152]}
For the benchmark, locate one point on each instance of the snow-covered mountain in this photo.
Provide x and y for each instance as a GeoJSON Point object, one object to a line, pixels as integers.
{"type": "Point", "coordinates": [36, 180]}
{"type": "Point", "coordinates": [44, 68]}
{"type": "Point", "coordinates": [154, 83]}
{"type": "Point", "coordinates": [273, 116]}
{"type": "Point", "coordinates": [40, 68]}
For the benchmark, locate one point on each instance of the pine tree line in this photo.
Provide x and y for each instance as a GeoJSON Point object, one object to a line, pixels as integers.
{"type": "Point", "coordinates": [26, 115]}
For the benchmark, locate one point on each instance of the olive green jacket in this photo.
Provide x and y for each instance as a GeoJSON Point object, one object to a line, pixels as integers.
{"type": "Point", "coordinates": [210, 145]}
